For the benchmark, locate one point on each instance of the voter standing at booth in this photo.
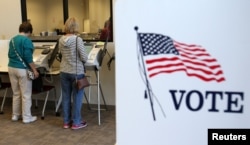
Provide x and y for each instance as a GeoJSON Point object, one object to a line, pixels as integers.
{"type": "Point", "coordinates": [71, 67]}
{"type": "Point", "coordinates": [20, 59]}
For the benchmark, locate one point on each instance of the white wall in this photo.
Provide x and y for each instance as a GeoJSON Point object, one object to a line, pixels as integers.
{"type": "Point", "coordinates": [10, 15]}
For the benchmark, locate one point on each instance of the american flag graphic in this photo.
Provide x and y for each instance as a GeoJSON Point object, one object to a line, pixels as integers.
{"type": "Point", "coordinates": [165, 55]}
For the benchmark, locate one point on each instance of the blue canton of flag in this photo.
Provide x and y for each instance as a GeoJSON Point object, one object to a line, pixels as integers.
{"type": "Point", "coordinates": [156, 44]}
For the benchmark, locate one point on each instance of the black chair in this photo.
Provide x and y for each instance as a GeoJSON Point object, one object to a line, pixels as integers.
{"type": "Point", "coordinates": [45, 89]}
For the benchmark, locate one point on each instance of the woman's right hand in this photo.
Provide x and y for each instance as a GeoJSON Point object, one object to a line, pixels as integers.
{"type": "Point", "coordinates": [33, 67]}
{"type": "Point", "coordinates": [36, 74]}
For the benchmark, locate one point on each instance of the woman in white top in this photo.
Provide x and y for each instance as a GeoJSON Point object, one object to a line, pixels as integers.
{"type": "Point", "coordinates": [73, 58]}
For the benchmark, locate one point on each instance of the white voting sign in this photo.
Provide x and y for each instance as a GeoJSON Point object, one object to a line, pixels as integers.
{"type": "Point", "coordinates": [182, 68]}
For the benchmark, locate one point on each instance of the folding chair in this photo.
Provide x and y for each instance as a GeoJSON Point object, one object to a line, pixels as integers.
{"type": "Point", "coordinates": [46, 89]}
{"type": "Point", "coordinates": [4, 86]}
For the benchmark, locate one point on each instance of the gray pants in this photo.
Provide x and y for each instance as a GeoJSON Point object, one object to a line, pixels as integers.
{"type": "Point", "coordinates": [22, 91]}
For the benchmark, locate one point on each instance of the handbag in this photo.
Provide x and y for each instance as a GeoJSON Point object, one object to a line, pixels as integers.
{"type": "Point", "coordinates": [83, 82]}
{"type": "Point", "coordinates": [30, 73]}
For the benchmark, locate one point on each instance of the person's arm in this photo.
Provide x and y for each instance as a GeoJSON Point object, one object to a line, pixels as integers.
{"type": "Point", "coordinates": [28, 56]}
{"type": "Point", "coordinates": [81, 49]}
{"type": "Point", "coordinates": [33, 68]}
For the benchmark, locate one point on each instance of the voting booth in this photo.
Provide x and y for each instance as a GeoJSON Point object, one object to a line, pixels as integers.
{"type": "Point", "coordinates": [46, 52]}
{"type": "Point", "coordinates": [44, 56]}
{"type": "Point", "coordinates": [182, 72]}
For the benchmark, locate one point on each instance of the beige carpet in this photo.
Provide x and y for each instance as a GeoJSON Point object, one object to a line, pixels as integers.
{"type": "Point", "coordinates": [50, 132]}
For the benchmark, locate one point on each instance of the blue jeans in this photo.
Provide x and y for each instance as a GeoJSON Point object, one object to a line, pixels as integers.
{"type": "Point", "coordinates": [69, 92]}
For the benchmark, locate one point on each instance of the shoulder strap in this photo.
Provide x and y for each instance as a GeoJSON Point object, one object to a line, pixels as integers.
{"type": "Point", "coordinates": [18, 53]}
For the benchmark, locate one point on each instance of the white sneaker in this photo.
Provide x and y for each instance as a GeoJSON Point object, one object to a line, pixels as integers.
{"type": "Point", "coordinates": [32, 119]}
{"type": "Point", "coordinates": [15, 117]}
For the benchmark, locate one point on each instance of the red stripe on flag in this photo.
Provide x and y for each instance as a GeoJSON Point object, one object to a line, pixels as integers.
{"type": "Point", "coordinates": [192, 59]}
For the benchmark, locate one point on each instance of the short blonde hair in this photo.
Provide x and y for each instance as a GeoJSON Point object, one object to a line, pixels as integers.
{"type": "Point", "coordinates": [71, 26]}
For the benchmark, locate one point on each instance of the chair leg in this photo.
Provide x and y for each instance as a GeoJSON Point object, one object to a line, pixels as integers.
{"type": "Point", "coordinates": [59, 104]}
{"type": "Point", "coordinates": [45, 103]}
{"type": "Point", "coordinates": [55, 97]}
{"type": "Point", "coordinates": [36, 106]}
{"type": "Point", "coordinates": [4, 97]}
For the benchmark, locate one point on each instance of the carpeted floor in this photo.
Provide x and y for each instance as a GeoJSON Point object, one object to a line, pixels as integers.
{"type": "Point", "coordinates": [50, 132]}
